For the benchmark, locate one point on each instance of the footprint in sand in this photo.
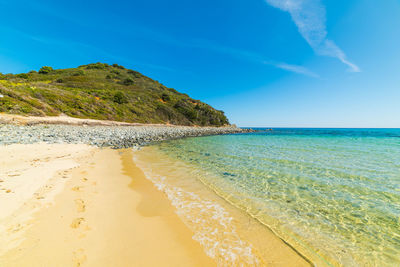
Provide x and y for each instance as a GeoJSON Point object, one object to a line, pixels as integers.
{"type": "Point", "coordinates": [76, 188]}
{"type": "Point", "coordinates": [64, 174]}
{"type": "Point", "coordinates": [77, 222]}
{"type": "Point", "coordinates": [81, 224]}
{"type": "Point", "coordinates": [13, 174]}
{"type": "Point", "coordinates": [15, 228]}
{"type": "Point", "coordinates": [79, 257]}
{"type": "Point", "coordinates": [80, 205]}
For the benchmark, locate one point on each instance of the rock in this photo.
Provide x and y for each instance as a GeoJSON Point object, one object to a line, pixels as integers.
{"type": "Point", "coordinates": [105, 136]}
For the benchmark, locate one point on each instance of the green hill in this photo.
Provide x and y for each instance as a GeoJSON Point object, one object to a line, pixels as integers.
{"type": "Point", "coordinates": [104, 92]}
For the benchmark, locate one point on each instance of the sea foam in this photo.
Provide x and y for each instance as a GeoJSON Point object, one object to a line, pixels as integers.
{"type": "Point", "coordinates": [211, 224]}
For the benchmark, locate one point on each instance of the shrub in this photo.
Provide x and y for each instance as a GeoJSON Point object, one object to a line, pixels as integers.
{"type": "Point", "coordinates": [45, 70]}
{"type": "Point", "coordinates": [23, 76]}
{"type": "Point", "coordinates": [78, 73]}
{"type": "Point", "coordinates": [128, 81]}
{"type": "Point", "coordinates": [120, 98]}
{"type": "Point", "coordinates": [165, 97]}
{"type": "Point", "coordinates": [134, 73]}
{"type": "Point", "coordinates": [186, 109]}
{"type": "Point", "coordinates": [98, 65]}
{"type": "Point", "coordinates": [118, 66]}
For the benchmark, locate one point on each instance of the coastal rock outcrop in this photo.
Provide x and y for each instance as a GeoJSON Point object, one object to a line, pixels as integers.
{"type": "Point", "coordinates": [104, 136]}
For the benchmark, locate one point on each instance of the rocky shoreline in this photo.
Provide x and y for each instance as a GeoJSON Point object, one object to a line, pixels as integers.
{"type": "Point", "coordinates": [104, 136]}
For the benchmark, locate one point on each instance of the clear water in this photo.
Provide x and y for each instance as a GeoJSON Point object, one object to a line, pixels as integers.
{"type": "Point", "coordinates": [333, 194]}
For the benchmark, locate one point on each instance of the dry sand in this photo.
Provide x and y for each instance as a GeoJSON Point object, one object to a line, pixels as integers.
{"type": "Point", "coordinates": [67, 120]}
{"type": "Point", "coordinates": [76, 205]}
{"type": "Point", "coordinates": [63, 119]}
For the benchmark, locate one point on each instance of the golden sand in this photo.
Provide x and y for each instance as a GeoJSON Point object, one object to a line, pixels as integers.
{"type": "Point", "coordinates": [105, 214]}
{"type": "Point", "coordinates": [76, 205]}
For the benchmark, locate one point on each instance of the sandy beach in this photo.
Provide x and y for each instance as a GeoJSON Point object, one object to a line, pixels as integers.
{"type": "Point", "coordinates": [79, 205]}
{"type": "Point", "coordinates": [75, 205]}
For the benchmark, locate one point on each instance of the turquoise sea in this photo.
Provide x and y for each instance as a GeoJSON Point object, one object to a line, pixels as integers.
{"type": "Point", "coordinates": [331, 194]}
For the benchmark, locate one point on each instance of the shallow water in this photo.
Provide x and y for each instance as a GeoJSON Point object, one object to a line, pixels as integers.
{"type": "Point", "coordinates": [332, 194]}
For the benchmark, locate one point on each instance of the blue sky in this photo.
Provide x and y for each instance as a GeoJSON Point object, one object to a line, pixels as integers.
{"type": "Point", "coordinates": [275, 63]}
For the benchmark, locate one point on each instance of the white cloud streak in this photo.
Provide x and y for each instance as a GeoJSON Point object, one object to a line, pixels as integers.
{"type": "Point", "coordinates": [310, 19]}
{"type": "Point", "coordinates": [83, 49]}
{"type": "Point", "coordinates": [296, 69]}
{"type": "Point", "coordinates": [253, 57]}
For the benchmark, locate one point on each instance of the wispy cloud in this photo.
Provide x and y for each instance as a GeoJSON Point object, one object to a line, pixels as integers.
{"type": "Point", "coordinates": [310, 19]}
{"type": "Point", "coordinates": [158, 37]}
{"type": "Point", "coordinates": [296, 69]}
{"type": "Point", "coordinates": [251, 56]}
{"type": "Point", "coordinates": [85, 50]}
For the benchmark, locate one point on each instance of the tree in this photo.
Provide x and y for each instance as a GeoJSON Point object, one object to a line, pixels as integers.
{"type": "Point", "coordinates": [45, 70]}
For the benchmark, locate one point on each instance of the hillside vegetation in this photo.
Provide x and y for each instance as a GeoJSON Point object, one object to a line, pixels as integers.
{"type": "Point", "coordinates": [105, 92]}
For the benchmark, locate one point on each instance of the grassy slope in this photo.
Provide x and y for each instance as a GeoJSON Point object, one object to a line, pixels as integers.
{"type": "Point", "coordinates": [105, 92]}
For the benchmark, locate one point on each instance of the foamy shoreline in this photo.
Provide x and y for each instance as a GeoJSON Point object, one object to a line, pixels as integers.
{"type": "Point", "coordinates": [228, 234]}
